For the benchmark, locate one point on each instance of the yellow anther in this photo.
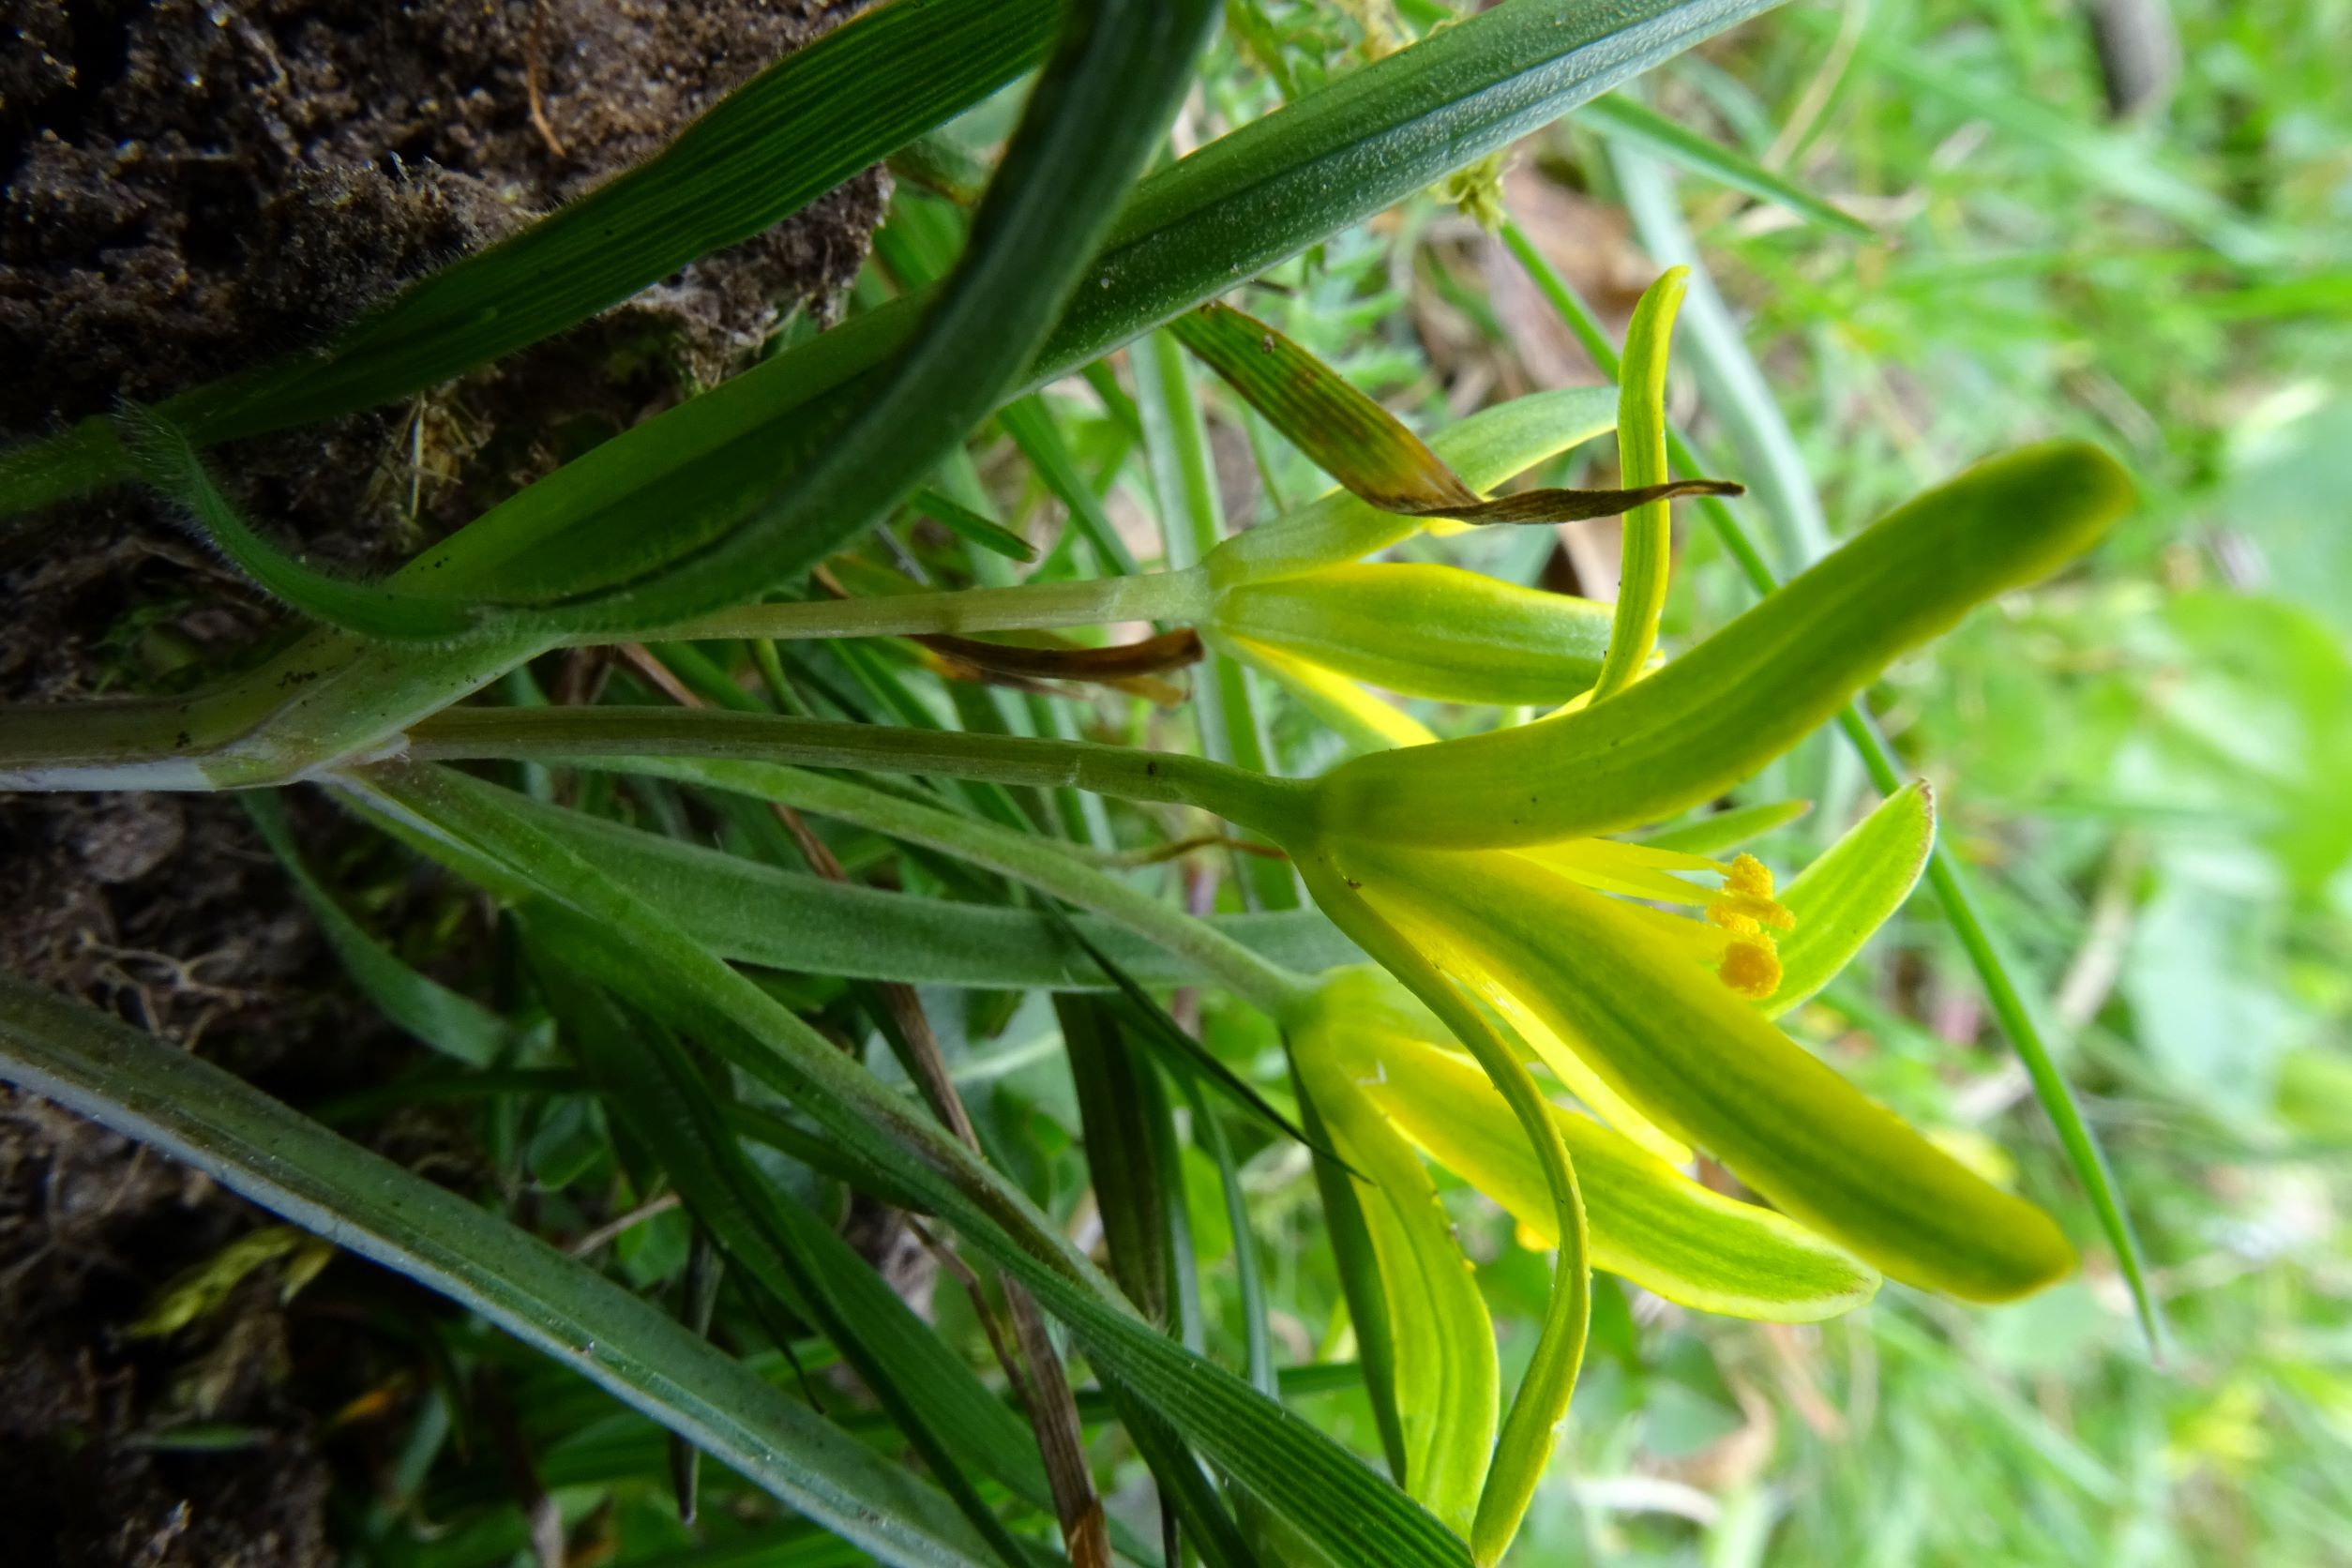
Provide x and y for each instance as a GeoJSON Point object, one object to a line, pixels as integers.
{"type": "Point", "coordinates": [1749, 915]}
{"type": "Point", "coordinates": [1747, 895]}
{"type": "Point", "coordinates": [1751, 968]}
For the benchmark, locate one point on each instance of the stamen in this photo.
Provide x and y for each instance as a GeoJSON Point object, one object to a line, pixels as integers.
{"type": "Point", "coordinates": [1748, 913]}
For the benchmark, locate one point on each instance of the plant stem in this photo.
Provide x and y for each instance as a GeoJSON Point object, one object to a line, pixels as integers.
{"type": "Point", "coordinates": [588, 736]}
{"type": "Point", "coordinates": [1151, 596]}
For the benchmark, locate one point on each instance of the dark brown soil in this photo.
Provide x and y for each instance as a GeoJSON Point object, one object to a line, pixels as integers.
{"type": "Point", "coordinates": [188, 187]}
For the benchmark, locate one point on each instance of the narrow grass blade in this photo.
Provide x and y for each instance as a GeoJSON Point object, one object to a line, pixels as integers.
{"type": "Point", "coordinates": [1349, 1512]}
{"type": "Point", "coordinates": [1030, 423]}
{"type": "Point", "coordinates": [455, 1025]}
{"type": "Point", "coordinates": [791, 134]}
{"type": "Point", "coordinates": [1625, 119]}
{"type": "Point", "coordinates": [1210, 1135]}
{"type": "Point", "coordinates": [1641, 461]}
{"type": "Point", "coordinates": [194, 1112]}
{"type": "Point", "coordinates": [971, 527]}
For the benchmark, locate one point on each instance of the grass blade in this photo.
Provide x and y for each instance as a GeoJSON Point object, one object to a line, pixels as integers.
{"type": "Point", "coordinates": [196, 1113]}
{"type": "Point", "coordinates": [791, 134]}
{"type": "Point", "coordinates": [1627, 119]}
{"type": "Point", "coordinates": [455, 1025]}
{"type": "Point", "coordinates": [1348, 1512]}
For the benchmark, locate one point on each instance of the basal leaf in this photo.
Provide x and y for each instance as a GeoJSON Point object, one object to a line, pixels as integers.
{"type": "Point", "coordinates": [194, 1112]}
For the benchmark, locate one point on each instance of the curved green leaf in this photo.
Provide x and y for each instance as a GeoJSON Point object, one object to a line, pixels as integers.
{"type": "Point", "coordinates": [1642, 461]}
{"type": "Point", "coordinates": [1754, 689]}
{"type": "Point", "coordinates": [194, 1112]}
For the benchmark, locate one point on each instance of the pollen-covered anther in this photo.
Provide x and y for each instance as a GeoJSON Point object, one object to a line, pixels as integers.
{"type": "Point", "coordinates": [1747, 895]}
{"type": "Point", "coordinates": [1751, 968]}
{"type": "Point", "coordinates": [1749, 915]}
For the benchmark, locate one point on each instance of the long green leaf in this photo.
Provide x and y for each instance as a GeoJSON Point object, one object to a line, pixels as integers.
{"type": "Point", "coordinates": [455, 1025]}
{"type": "Point", "coordinates": [1622, 118]}
{"type": "Point", "coordinates": [794, 131]}
{"type": "Point", "coordinates": [1343, 1507]}
{"type": "Point", "coordinates": [194, 1112]}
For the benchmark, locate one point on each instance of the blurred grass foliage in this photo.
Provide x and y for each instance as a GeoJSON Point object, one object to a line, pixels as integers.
{"type": "Point", "coordinates": [2145, 765]}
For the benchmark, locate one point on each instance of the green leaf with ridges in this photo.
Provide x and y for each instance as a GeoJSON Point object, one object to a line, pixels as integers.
{"type": "Point", "coordinates": [192, 1111]}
